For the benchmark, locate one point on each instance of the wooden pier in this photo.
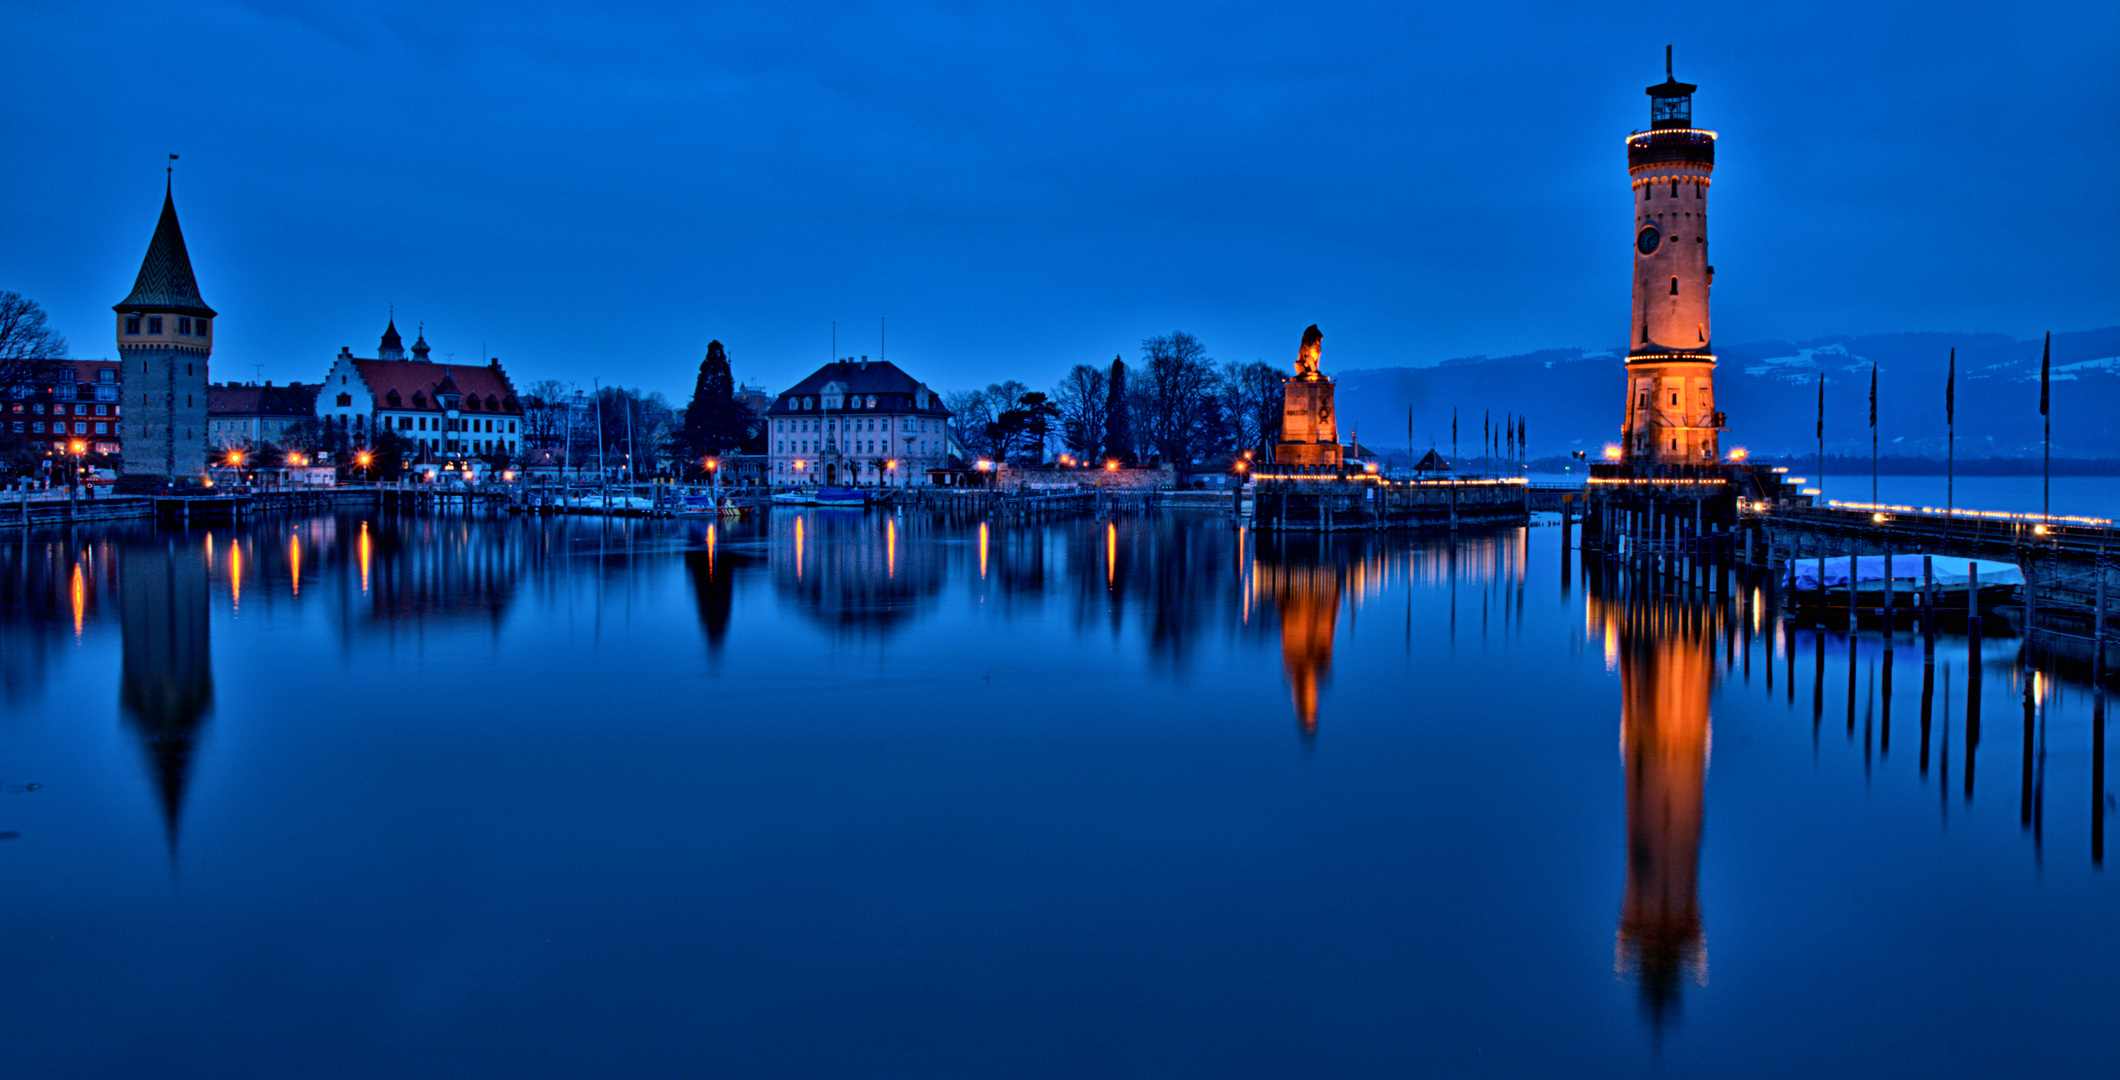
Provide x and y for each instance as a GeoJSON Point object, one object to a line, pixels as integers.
{"type": "Point", "coordinates": [1695, 529]}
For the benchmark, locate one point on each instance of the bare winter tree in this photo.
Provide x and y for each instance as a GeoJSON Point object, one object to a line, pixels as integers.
{"type": "Point", "coordinates": [1182, 411]}
{"type": "Point", "coordinates": [977, 413]}
{"type": "Point", "coordinates": [545, 414]}
{"type": "Point", "coordinates": [1251, 403]}
{"type": "Point", "coordinates": [1084, 399]}
{"type": "Point", "coordinates": [969, 415]}
{"type": "Point", "coordinates": [30, 350]}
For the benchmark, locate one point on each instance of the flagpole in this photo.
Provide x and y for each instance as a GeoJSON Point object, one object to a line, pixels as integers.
{"type": "Point", "coordinates": [1950, 419]}
{"type": "Point", "coordinates": [1873, 431]}
{"type": "Point", "coordinates": [2046, 489]}
{"type": "Point", "coordinates": [1821, 434]}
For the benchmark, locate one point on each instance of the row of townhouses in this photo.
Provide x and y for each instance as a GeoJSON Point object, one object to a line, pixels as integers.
{"type": "Point", "coordinates": [155, 408]}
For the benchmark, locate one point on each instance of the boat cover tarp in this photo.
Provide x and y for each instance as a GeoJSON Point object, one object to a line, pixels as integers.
{"type": "Point", "coordinates": [1869, 571]}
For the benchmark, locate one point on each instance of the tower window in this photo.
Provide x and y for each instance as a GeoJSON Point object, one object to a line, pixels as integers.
{"type": "Point", "coordinates": [154, 324]}
{"type": "Point", "coordinates": [1674, 397]}
{"type": "Point", "coordinates": [1674, 286]}
{"type": "Point", "coordinates": [184, 324]}
{"type": "Point", "coordinates": [132, 324]}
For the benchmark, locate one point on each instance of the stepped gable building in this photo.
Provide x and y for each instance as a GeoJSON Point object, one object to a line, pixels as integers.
{"type": "Point", "coordinates": [165, 334]}
{"type": "Point", "coordinates": [445, 409]}
{"type": "Point", "coordinates": [242, 414]}
{"type": "Point", "coordinates": [1671, 417]}
{"type": "Point", "coordinates": [857, 422]}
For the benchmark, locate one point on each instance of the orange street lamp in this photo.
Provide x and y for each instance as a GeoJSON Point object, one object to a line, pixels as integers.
{"type": "Point", "coordinates": [1738, 454]}
{"type": "Point", "coordinates": [1241, 466]}
{"type": "Point", "coordinates": [1112, 465]}
{"type": "Point", "coordinates": [1611, 453]}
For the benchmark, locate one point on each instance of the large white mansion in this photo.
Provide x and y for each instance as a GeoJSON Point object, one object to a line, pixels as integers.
{"type": "Point", "coordinates": [855, 421]}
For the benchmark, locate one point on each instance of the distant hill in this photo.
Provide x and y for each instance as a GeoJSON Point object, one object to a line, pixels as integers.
{"type": "Point", "coordinates": [1572, 398]}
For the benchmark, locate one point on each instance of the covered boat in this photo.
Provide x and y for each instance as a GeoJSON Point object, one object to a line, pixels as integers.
{"type": "Point", "coordinates": [841, 496]}
{"type": "Point", "coordinates": [1873, 578]}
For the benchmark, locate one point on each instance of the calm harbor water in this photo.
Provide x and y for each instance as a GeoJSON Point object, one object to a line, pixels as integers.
{"type": "Point", "coordinates": [853, 794]}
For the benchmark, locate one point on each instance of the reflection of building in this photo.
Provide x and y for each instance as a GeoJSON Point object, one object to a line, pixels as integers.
{"type": "Point", "coordinates": [166, 678]}
{"type": "Point", "coordinates": [856, 572]}
{"type": "Point", "coordinates": [1666, 672]}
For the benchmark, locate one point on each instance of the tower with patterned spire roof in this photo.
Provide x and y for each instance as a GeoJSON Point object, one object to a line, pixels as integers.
{"type": "Point", "coordinates": [165, 335]}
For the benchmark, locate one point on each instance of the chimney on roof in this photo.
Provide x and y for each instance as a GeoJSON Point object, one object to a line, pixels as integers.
{"type": "Point", "coordinates": [864, 363]}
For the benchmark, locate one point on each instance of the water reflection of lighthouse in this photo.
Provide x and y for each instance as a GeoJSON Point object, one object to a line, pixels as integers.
{"type": "Point", "coordinates": [1666, 671]}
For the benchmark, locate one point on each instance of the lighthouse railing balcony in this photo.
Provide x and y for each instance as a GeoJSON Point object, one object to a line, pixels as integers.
{"type": "Point", "coordinates": [1671, 144]}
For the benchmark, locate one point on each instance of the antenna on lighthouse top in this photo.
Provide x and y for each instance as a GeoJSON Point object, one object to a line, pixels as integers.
{"type": "Point", "coordinates": [1667, 61]}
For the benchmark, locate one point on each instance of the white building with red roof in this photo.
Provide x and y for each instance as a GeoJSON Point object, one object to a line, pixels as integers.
{"type": "Point", "coordinates": [445, 409]}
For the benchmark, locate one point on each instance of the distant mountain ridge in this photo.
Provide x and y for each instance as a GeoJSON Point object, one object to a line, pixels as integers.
{"type": "Point", "coordinates": [1572, 398]}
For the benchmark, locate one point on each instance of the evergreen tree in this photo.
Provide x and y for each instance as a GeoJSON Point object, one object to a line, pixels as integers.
{"type": "Point", "coordinates": [715, 422]}
{"type": "Point", "coordinates": [1118, 417]}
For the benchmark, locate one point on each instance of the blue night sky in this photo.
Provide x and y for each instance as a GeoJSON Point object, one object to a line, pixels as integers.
{"type": "Point", "coordinates": [596, 191]}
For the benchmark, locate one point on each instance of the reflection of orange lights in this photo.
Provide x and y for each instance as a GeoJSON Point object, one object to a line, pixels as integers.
{"type": "Point", "coordinates": [890, 546]}
{"type": "Point", "coordinates": [798, 545]}
{"type": "Point", "coordinates": [982, 551]}
{"type": "Point", "coordinates": [366, 547]}
{"type": "Point", "coordinates": [79, 595]}
{"type": "Point", "coordinates": [1111, 553]}
{"type": "Point", "coordinates": [294, 561]}
{"type": "Point", "coordinates": [235, 574]}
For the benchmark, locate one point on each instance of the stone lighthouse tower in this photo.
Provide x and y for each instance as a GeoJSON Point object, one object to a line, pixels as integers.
{"type": "Point", "coordinates": [165, 333]}
{"type": "Point", "coordinates": [1671, 417]}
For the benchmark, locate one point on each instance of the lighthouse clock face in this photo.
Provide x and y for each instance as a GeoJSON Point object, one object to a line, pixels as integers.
{"type": "Point", "coordinates": [1646, 240]}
